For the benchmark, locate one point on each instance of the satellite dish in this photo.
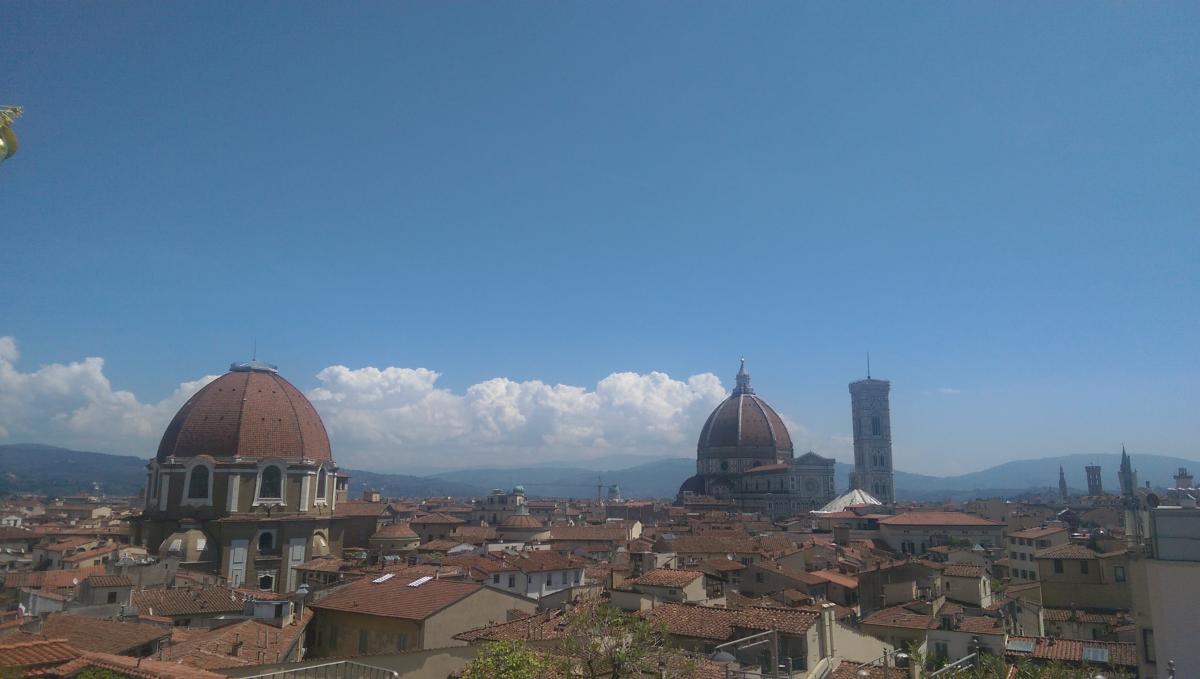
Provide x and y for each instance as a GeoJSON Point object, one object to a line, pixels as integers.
{"type": "Point", "coordinates": [1152, 500]}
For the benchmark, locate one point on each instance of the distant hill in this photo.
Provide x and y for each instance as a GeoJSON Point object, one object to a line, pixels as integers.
{"type": "Point", "coordinates": [59, 471]}
{"type": "Point", "coordinates": [35, 468]}
{"type": "Point", "coordinates": [401, 485]}
{"type": "Point", "coordinates": [661, 478]}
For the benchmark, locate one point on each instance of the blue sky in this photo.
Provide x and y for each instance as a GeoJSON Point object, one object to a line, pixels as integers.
{"type": "Point", "coordinates": [997, 200]}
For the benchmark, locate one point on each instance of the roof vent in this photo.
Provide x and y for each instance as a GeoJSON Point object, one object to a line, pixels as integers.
{"type": "Point", "coordinates": [420, 581]}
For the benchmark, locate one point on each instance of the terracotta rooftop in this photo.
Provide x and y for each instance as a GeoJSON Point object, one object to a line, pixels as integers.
{"type": "Point", "coordinates": [247, 413]}
{"type": "Point", "coordinates": [722, 565]}
{"type": "Point", "coordinates": [436, 519]}
{"type": "Point", "coordinates": [51, 579]}
{"type": "Point", "coordinates": [393, 598]}
{"type": "Point", "coordinates": [238, 644]}
{"type": "Point", "coordinates": [936, 519]}
{"type": "Point", "coordinates": [105, 636]}
{"type": "Point", "coordinates": [962, 570]}
{"type": "Point", "coordinates": [588, 533]}
{"type": "Point", "coordinates": [1081, 615]}
{"type": "Point", "coordinates": [1072, 551]}
{"type": "Point", "coordinates": [396, 531]}
{"type": "Point", "coordinates": [1072, 650]}
{"type": "Point", "coordinates": [186, 601]}
{"type": "Point", "coordinates": [36, 653]}
{"type": "Point", "coordinates": [350, 508]}
{"type": "Point", "coordinates": [840, 579]}
{"type": "Point", "coordinates": [1034, 533]}
{"type": "Point", "coordinates": [133, 668]}
{"type": "Point", "coordinates": [898, 616]}
{"type": "Point", "coordinates": [667, 577]}
{"type": "Point", "coordinates": [107, 581]}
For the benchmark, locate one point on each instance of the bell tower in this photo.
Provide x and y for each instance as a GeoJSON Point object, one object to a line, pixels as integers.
{"type": "Point", "coordinates": [871, 412]}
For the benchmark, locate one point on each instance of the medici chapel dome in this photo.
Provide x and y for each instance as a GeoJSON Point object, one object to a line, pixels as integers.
{"type": "Point", "coordinates": [744, 426]}
{"type": "Point", "coordinates": [249, 411]}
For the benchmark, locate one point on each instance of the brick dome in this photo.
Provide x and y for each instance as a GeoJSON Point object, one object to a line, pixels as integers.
{"type": "Point", "coordinates": [249, 411]}
{"type": "Point", "coordinates": [743, 425]}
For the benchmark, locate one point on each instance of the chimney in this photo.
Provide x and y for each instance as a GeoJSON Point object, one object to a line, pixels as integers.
{"type": "Point", "coordinates": [237, 645]}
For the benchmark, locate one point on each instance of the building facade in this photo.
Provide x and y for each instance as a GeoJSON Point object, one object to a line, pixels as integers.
{"type": "Point", "coordinates": [745, 454]}
{"type": "Point", "coordinates": [243, 483]}
{"type": "Point", "coordinates": [871, 411]}
{"type": "Point", "coordinates": [1095, 485]}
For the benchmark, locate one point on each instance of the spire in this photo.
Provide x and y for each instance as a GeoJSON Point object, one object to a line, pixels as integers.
{"type": "Point", "coordinates": [742, 380]}
{"type": "Point", "coordinates": [1062, 483]}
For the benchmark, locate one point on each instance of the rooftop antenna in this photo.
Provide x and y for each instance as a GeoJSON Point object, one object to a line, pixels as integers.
{"type": "Point", "coordinates": [254, 353]}
{"type": "Point", "coordinates": [868, 365]}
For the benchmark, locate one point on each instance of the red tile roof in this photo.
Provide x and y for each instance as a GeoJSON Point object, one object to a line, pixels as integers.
{"type": "Point", "coordinates": [107, 581]}
{"type": "Point", "coordinates": [547, 625]}
{"type": "Point", "coordinates": [36, 653]}
{"type": "Point", "coordinates": [962, 570]}
{"type": "Point", "coordinates": [705, 622]}
{"type": "Point", "coordinates": [667, 577]}
{"type": "Point", "coordinates": [250, 414]}
{"type": "Point", "coordinates": [436, 519]}
{"type": "Point", "coordinates": [394, 598]}
{"type": "Point", "coordinates": [1071, 650]}
{"type": "Point", "coordinates": [840, 579]}
{"type": "Point", "coordinates": [898, 616]}
{"type": "Point", "coordinates": [187, 601]}
{"type": "Point", "coordinates": [1034, 533]}
{"type": "Point", "coordinates": [105, 636]}
{"type": "Point", "coordinates": [936, 519]}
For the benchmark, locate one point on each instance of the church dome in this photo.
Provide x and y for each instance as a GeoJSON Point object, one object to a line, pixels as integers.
{"type": "Point", "coordinates": [743, 425]}
{"type": "Point", "coordinates": [249, 411]}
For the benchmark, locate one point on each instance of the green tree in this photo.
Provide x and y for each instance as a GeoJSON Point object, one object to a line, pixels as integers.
{"type": "Point", "coordinates": [99, 673]}
{"type": "Point", "coordinates": [601, 641]}
{"type": "Point", "coordinates": [507, 660]}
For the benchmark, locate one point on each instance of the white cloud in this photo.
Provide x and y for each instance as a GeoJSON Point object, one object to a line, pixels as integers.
{"type": "Point", "coordinates": [73, 404]}
{"type": "Point", "coordinates": [949, 391]}
{"type": "Point", "coordinates": [395, 418]}
{"type": "Point", "coordinates": [385, 418]}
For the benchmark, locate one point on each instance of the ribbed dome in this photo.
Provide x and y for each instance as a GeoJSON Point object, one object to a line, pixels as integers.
{"type": "Point", "coordinates": [743, 425]}
{"type": "Point", "coordinates": [522, 521]}
{"type": "Point", "coordinates": [249, 411]}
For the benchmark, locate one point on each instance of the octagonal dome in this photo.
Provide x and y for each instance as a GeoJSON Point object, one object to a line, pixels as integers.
{"type": "Point", "coordinates": [743, 425]}
{"type": "Point", "coordinates": [249, 411]}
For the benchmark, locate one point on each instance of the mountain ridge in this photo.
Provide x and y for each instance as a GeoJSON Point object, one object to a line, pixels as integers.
{"type": "Point", "coordinates": [32, 467]}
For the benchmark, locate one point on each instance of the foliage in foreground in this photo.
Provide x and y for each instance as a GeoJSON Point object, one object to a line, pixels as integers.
{"type": "Point", "coordinates": [600, 642]}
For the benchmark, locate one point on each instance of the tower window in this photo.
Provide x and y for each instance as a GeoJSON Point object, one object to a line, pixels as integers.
{"type": "Point", "coordinates": [266, 542]}
{"type": "Point", "coordinates": [876, 428]}
{"type": "Point", "coordinates": [321, 484]}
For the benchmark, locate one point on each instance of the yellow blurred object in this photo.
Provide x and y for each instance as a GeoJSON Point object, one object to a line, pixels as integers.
{"type": "Point", "coordinates": [8, 138]}
{"type": "Point", "coordinates": [8, 142]}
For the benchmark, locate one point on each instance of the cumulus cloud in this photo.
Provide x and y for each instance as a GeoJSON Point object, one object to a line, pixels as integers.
{"type": "Point", "coordinates": [74, 404]}
{"type": "Point", "coordinates": [392, 419]}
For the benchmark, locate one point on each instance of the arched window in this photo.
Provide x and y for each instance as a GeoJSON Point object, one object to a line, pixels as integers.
{"type": "Point", "coordinates": [321, 484]}
{"type": "Point", "coordinates": [266, 542]}
{"type": "Point", "coordinates": [272, 483]}
{"type": "Point", "coordinates": [198, 485]}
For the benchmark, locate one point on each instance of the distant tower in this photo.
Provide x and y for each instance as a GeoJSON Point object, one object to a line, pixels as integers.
{"type": "Point", "coordinates": [1127, 476]}
{"type": "Point", "coordinates": [1183, 479]}
{"type": "Point", "coordinates": [872, 439]}
{"type": "Point", "coordinates": [1062, 484]}
{"type": "Point", "coordinates": [1095, 487]}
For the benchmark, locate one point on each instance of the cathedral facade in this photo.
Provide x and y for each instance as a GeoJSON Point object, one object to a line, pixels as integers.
{"type": "Point", "coordinates": [745, 454]}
